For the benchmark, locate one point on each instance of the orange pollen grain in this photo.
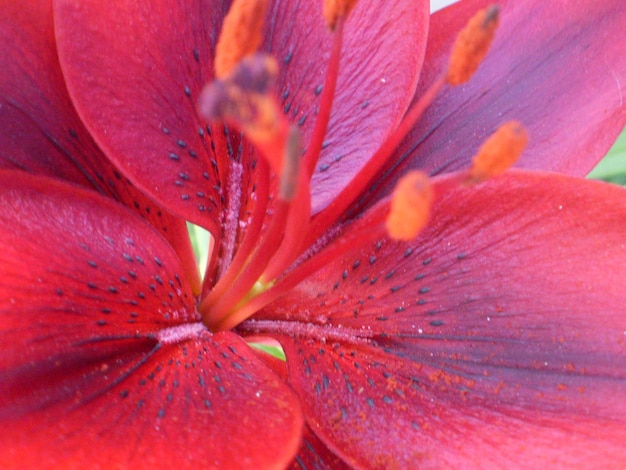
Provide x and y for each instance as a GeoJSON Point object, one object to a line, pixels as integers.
{"type": "Point", "coordinates": [472, 44]}
{"type": "Point", "coordinates": [335, 9]}
{"type": "Point", "coordinates": [410, 206]}
{"type": "Point", "coordinates": [499, 152]}
{"type": "Point", "coordinates": [241, 35]}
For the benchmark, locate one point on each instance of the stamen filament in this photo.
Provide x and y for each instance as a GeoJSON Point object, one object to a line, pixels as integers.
{"type": "Point", "coordinates": [250, 238]}
{"type": "Point", "coordinates": [363, 178]}
{"type": "Point", "coordinates": [297, 222]}
{"type": "Point", "coordinates": [326, 101]}
{"type": "Point", "coordinates": [214, 309]}
{"type": "Point", "coordinates": [375, 230]}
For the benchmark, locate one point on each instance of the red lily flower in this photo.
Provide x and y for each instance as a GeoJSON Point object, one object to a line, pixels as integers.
{"type": "Point", "coordinates": [494, 337]}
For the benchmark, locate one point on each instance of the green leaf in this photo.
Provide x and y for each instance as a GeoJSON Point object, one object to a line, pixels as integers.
{"type": "Point", "coordinates": [612, 168]}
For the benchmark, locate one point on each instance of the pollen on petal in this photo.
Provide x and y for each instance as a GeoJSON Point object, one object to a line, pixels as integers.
{"type": "Point", "coordinates": [499, 152]}
{"type": "Point", "coordinates": [241, 34]}
{"type": "Point", "coordinates": [472, 44]}
{"type": "Point", "coordinates": [335, 9]}
{"type": "Point", "coordinates": [410, 206]}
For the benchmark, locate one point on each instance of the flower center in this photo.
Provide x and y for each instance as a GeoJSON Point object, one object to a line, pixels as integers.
{"type": "Point", "coordinates": [276, 251]}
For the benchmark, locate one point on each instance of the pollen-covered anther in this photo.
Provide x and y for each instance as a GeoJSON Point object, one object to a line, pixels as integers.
{"type": "Point", "coordinates": [410, 206]}
{"type": "Point", "coordinates": [499, 152]}
{"type": "Point", "coordinates": [472, 44]}
{"type": "Point", "coordinates": [241, 34]}
{"type": "Point", "coordinates": [244, 99]}
{"type": "Point", "coordinates": [335, 9]}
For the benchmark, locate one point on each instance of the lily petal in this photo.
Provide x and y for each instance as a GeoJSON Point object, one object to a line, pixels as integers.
{"type": "Point", "coordinates": [40, 131]}
{"type": "Point", "coordinates": [559, 70]}
{"type": "Point", "coordinates": [314, 453]}
{"type": "Point", "coordinates": [104, 361]}
{"type": "Point", "coordinates": [496, 338]}
{"type": "Point", "coordinates": [135, 72]}
{"type": "Point", "coordinates": [382, 54]}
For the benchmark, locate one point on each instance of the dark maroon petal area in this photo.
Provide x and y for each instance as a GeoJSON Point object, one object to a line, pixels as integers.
{"type": "Point", "coordinates": [134, 71]}
{"type": "Point", "coordinates": [382, 54]}
{"type": "Point", "coordinates": [39, 129]}
{"type": "Point", "coordinates": [560, 70]}
{"type": "Point", "coordinates": [496, 338]}
{"type": "Point", "coordinates": [104, 360]}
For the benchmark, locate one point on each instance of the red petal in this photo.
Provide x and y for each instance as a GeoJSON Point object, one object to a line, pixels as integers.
{"type": "Point", "coordinates": [313, 453]}
{"type": "Point", "coordinates": [40, 131]}
{"type": "Point", "coordinates": [135, 72]}
{"type": "Point", "coordinates": [104, 361]}
{"type": "Point", "coordinates": [496, 338]}
{"type": "Point", "coordinates": [560, 71]}
{"type": "Point", "coordinates": [383, 48]}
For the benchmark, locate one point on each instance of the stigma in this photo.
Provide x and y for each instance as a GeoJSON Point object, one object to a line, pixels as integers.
{"type": "Point", "coordinates": [284, 245]}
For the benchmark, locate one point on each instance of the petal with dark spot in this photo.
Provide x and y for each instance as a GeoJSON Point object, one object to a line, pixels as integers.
{"type": "Point", "coordinates": [41, 133]}
{"type": "Point", "coordinates": [497, 337]}
{"type": "Point", "coordinates": [105, 361]}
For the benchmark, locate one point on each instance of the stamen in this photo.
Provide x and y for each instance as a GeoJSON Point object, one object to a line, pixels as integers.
{"type": "Point", "coordinates": [368, 229]}
{"type": "Point", "coordinates": [291, 165]}
{"type": "Point", "coordinates": [250, 239]}
{"type": "Point", "coordinates": [499, 152]}
{"type": "Point", "coordinates": [245, 101]}
{"type": "Point", "coordinates": [472, 45]}
{"type": "Point", "coordinates": [410, 206]}
{"type": "Point", "coordinates": [373, 166]}
{"type": "Point", "coordinates": [241, 34]}
{"type": "Point", "coordinates": [470, 48]}
{"type": "Point", "coordinates": [326, 101]}
{"type": "Point", "coordinates": [336, 9]}
{"type": "Point", "coordinates": [295, 229]}
{"type": "Point", "coordinates": [216, 308]}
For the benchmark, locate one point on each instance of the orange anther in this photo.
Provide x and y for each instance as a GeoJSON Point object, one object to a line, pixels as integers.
{"type": "Point", "coordinates": [472, 45]}
{"type": "Point", "coordinates": [241, 34]}
{"type": "Point", "coordinates": [410, 206]}
{"type": "Point", "coordinates": [245, 100]}
{"type": "Point", "coordinates": [499, 152]}
{"type": "Point", "coordinates": [335, 9]}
